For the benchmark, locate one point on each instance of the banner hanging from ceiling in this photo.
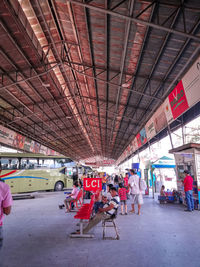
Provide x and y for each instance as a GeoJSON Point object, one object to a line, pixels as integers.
{"type": "Point", "coordinates": [178, 101]}
{"type": "Point", "coordinates": [191, 83]}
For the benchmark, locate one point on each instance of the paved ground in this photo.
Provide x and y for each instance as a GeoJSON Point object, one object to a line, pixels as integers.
{"type": "Point", "coordinates": [36, 235]}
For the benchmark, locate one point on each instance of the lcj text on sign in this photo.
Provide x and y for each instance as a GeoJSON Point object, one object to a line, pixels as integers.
{"type": "Point", "coordinates": [92, 184]}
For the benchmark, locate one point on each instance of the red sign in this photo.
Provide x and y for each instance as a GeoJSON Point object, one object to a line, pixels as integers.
{"type": "Point", "coordinates": [178, 100]}
{"type": "Point", "coordinates": [138, 140]}
{"type": "Point", "coordinates": [92, 184]}
{"type": "Point", "coordinates": [168, 179]}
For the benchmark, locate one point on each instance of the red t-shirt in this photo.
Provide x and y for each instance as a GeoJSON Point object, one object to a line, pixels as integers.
{"type": "Point", "coordinates": [126, 181]}
{"type": "Point", "coordinates": [188, 183]}
{"type": "Point", "coordinates": [122, 193]}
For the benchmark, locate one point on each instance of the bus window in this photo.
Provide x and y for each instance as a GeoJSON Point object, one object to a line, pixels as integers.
{"type": "Point", "coordinates": [9, 164]}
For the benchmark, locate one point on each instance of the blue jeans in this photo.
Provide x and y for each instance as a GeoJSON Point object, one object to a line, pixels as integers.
{"type": "Point", "coordinates": [104, 187]}
{"type": "Point", "coordinates": [189, 200]}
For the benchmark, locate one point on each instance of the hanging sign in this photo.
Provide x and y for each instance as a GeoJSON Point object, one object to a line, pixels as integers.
{"type": "Point", "coordinates": [191, 83]}
{"type": "Point", "coordinates": [178, 100]}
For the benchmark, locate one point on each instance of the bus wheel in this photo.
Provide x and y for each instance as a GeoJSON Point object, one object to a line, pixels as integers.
{"type": "Point", "coordinates": [58, 186]}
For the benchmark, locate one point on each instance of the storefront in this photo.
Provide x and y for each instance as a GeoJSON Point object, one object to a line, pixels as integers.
{"type": "Point", "coordinates": [187, 157]}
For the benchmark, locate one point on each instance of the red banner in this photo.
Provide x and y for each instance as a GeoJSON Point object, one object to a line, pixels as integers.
{"type": "Point", "coordinates": [138, 140]}
{"type": "Point", "coordinates": [178, 100]}
{"type": "Point", "coordinates": [92, 184]}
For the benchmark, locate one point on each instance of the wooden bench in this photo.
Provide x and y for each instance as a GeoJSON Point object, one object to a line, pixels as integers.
{"type": "Point", "coordinates": [166, 199]}
{"type": "Point", "coordinates": [84, 213]}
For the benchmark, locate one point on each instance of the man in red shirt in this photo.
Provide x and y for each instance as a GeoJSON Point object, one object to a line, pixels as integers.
{"type": "Point", "coordinates": [188, 187]}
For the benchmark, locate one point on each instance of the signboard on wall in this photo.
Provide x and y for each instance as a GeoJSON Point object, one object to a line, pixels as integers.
{"type": "Point", "coordinates": [178, 100]}
{"type": "Point", "coordinates": [134, 144]}
{"type": "Point", "coordinates": [160, 120]}
{"type": "Point", "coordinates": [168, 111]}
{"type": "Point", "coordinates": [18, 141]}
{"type": "Point", "coordinates": [138, 140]}
{"type": "Point", "coordinates": [191, 83]}
{"type": "Point", "coordinates": [141, 137]}
{"type": "Point", "coordinates": [150, 129]}
{"type": "Point", "coordinates": [6, 136]}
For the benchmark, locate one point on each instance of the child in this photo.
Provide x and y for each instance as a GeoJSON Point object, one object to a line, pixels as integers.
{"type": "Point", "coordinates": [123, 198]}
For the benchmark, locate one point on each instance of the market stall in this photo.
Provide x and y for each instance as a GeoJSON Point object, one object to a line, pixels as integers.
{"type": "Point", "coordinates": [187, 157]}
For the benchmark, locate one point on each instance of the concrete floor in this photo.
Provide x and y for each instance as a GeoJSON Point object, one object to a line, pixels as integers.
{"type": "Point", "coordinates": [36, 235]}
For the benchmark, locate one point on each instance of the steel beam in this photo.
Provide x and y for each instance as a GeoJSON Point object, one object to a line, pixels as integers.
{"type": "Point", "coordinates": [139, 21]}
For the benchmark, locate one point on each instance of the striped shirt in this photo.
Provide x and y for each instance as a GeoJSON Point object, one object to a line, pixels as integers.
{"type": "Point", "coordinates": [115, 202]}
{"type": "Point", "coordinates": [122, 193]}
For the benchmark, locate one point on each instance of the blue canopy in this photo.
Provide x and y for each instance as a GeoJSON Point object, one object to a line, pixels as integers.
{"type": "Point", "coordinates": [164, 162]}
{"type": "Point", "coordinates": [159, 166]}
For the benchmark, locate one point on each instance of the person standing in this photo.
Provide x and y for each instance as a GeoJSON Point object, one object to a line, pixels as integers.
{"type": "Point", "coordinates": [126, 181]}
{"type": "Point", "coordinates": [104, 179]}
{"type": "Point", "coordinates": [136, 195]}
{"type": "Point", "coordinates": [123, 198]}
{"type": "Point", "coordinates": [5, 206]}
{"type": "Point", "coordinates": [188, 188]}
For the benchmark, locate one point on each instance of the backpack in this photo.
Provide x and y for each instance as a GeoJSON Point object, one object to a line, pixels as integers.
{"type": "Point", "coordinates": [142, 185]}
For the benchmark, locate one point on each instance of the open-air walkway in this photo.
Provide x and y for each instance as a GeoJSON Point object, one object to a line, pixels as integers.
{"type": "Point", "coordinates": [36, 235]}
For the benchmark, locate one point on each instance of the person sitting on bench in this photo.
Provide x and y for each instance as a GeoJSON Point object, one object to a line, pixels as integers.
{"type": "Point", "coordinates": [103, 213]}
{"type": "Point", "coordinates": [100, 204]}
{"type": "Point", "coordinates": [71, 197]}
{"type": "Point", "coordinates": [163, 197]}
{"type": "Point", "coordinates": [162, 191]}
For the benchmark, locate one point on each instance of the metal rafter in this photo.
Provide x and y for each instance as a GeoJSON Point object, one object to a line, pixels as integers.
{"type": "Point", "coordinates": [94, 71]}
{"type": "Point", "coordinates": [124, 52]}
{"type": "Point", "coordinates": [19, 49]}
{"type": "Point", "coordinates": [107, 53]}
{"type": "Point", "coordinates": [138, 61]}
{"type": "Point", "coordinates": [58, 56]}
{"type": "Point", "coordinates": [83, 67]}
{"type": "Point", "coordinates": [21, 89]}
{"type": "Point", "coordinates": [23, 131]}
{"type": "Point", "coordinates": [160, 52]}
{"type": "Point", "coordinates": [154, 25]}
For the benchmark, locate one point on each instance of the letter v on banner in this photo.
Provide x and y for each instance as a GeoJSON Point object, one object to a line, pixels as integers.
{"type": "Point", "coordinates": [92, 184]}
{"type": "Point", "coordinates": [178, 101]}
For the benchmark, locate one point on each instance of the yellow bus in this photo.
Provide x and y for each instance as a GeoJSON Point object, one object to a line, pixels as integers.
{"type": "Point", "coordinates": [27, 172]}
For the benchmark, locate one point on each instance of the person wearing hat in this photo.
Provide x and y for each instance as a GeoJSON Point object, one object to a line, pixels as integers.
{"type": "Point", "coordinates": [188, 188]}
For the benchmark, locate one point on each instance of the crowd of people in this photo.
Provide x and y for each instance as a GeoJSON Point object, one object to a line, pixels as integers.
{"type": "Point", "coordinates": [116, 190]}
{"type": "Point", "coordinates": [115, 193]}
